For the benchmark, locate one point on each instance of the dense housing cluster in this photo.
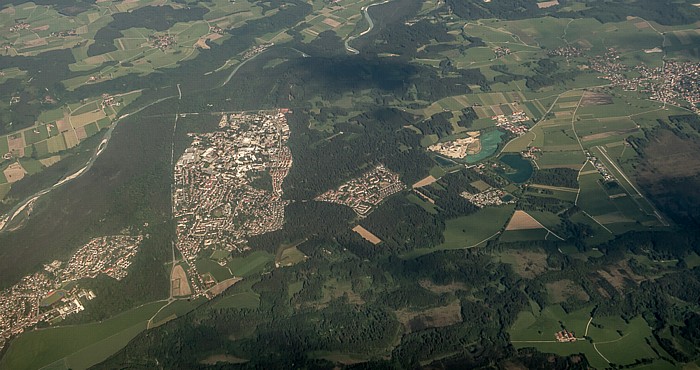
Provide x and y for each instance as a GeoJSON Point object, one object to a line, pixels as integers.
{"type": "Point", "coordinates": [365, 192]}
{"type": "Point", "coordinates": [490, 197]}
{"type": "Point", "coordinates": [228, 183]}
{"type": "Point", "coordinates": [46, 296]}
{"type": "Point", "coordinates": [674, 82]}
{"type": "Point", "coordinates": [513, 123]}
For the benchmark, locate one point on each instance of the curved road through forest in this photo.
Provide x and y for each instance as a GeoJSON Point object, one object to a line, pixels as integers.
{"type": "Point", "coordinates": [365, 12]}
{"type": "Point", "coordinates": [17, 210]}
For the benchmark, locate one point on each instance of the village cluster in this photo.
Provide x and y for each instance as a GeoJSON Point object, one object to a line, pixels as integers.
{"type": "Point", "coordinates": [456, 149]}
{"type": "Point", "coordinates": [256, 50]}
{"type": "Point", "coordinates": [566, 52]}
{"type": "Point", "coordinates": [217, 198]}
{"type": "Point", "coordinates": [19, 26]}
{"type": "Point", "coordinates": [513, 123]}
{"type": "Point", "coordinates": [161, 42]}
{"type": "Point", "coordinates": [109, 101]}
{"type": "Point", "coordinates": [490, 197]}
{"type": "Point", "coordinates": [46, 295]}
{"type": "Point", "coordinates": [362, 194]}
{"type": "Point", "coordinates": [531, 152]}
{"type": "Point", "coordinates": [501, 51]}
{"type": "Point", "coordinates": [674, 82]}
{"type": "Point", "coordinates": [565, 336]}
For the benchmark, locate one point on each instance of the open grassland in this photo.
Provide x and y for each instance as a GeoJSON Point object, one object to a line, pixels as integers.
{"type": "Point", "coordinates": [470, 231]}
{"type": "Point", "coordinates": [527, 263]}
{"type": "Point", "coordinates": [249, 300]}
{"type": "Point", "coordinates": [524, 235]}
{"type": "Point", "coordinates": [77, 346]}
{"type": "Point", "coordinates": [250, 264]}
{"type": "Point", "coordinates": [289, 256]}
{"type": "Point", "coordinates": [174, 310]}
{"type": "Point", "coordinates": [431, 318]}
{"type": "Point", "coordinates": [611, 337]}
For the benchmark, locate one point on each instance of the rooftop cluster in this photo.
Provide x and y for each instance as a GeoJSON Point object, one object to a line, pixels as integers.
{"type": "Point", "coordinates": [46, 295]}
{"type": "Point", "coordinates": [228, 183]}
{"type": "Point", "coordinates": [365, 192]}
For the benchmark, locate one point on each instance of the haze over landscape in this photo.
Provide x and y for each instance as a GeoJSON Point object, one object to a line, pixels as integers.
{"type": "Point", "coordinates": [350, 184]}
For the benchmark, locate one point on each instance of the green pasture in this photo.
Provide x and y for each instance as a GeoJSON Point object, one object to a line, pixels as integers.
{"type": "Point", "coordinates": [176, 309]}
{"type": "Point", "coordinates": [250, 264]}
{"type": "Point", "coordinates": [470, 231]}
{"type": "Point", "coordinates": [524, 235]}
{"type": "Point", "coordinates": [568, 159]}
{"type": "Point", "coordinates": [240, 300]}
{"type": "Point", "coordinates": [37, 348]}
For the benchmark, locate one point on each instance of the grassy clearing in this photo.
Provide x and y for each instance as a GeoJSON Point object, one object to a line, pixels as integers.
{"type": "Point", "coordinates": [427, 206]}
{"type": "Point", "coordinates": [290, 256]}
{"type": "Point", "coordinates": [176, 309]}
{"type": "Point", "coordinates": [469, 231]}
{"type": "Point", "coordinates": [251, 264]}
{"type": "Point", "coordinates": [220, 273]}
{"type": "Point", "coordinates": [248, 300]}
{"type": "Point", "coordinates": [527, 263]}
{"type": "Point", "coordinates": [523, 235]}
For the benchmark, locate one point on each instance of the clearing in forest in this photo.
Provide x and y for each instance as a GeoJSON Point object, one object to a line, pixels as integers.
{"type": "Point", "coordinates": [366, 234]}
{"type": "Point", "coordinates": [521, 220]}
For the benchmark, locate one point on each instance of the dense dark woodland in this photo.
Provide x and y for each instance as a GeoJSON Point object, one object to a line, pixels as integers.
{"type": "Point", "coordinates": [128, 187]}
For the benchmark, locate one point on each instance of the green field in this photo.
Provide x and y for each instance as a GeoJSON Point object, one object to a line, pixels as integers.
{"type": "Point", "coordinates": [524, 235]}
{"type": "Point", "coordinates": [176, 309]}
{"type": "Point", "coordinates": [612, 336]}
{"type": "Point", "coordinates": [206, 265]}
{"type": "Point", "coordinates": [250, 264]}
{"type": "Point", "coordinates": [291, 256]}
{"type": "Point", "coordinates": [77, 346]}
{"type": "Point", "coordinates": [249, 300]}
{"type": "Point", "coordinates": [470, 231]}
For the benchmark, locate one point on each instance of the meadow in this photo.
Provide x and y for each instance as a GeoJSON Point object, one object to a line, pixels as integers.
{"type": "Point", "coordinates": [77, 346]}
{"type": "Point", "coordinates": [607, 339]}
{"type": "Point", "coordinates": [469, 231]}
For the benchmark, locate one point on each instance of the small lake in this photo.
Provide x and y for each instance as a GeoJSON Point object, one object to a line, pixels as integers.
{"type": "Point", "coordinates": [521, 168]}
{"type": "Point", "coordinates": [489, 144]}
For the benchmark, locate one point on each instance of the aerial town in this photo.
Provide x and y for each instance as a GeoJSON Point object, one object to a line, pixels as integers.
{"type": "Point", "coordinates": [19, 26]}
{"type": "Point", "coordinates": [51, 294]}
{"type": "Point", "coordinates": [365, 192]}
{"type": "Point", "coordinates": [256, 50]}
{"type": "Point", "coordinates": [459, 148]}
{"type": "Point", "coordinates": [566, 52]}
{"type": "Point", "coordinates": [221, 192]}
{"type": "Point", "coordinates": [675, 82]}
{"type": "Point", "coordinates": [513, 122]}
{"type": "Point", "coordinates": [161, 42]}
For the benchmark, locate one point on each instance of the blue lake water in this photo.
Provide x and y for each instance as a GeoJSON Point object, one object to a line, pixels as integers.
{"type": "Point", "coordinates": [522, 167]}
{"type": "Point", "coordinates": [489, 144]}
